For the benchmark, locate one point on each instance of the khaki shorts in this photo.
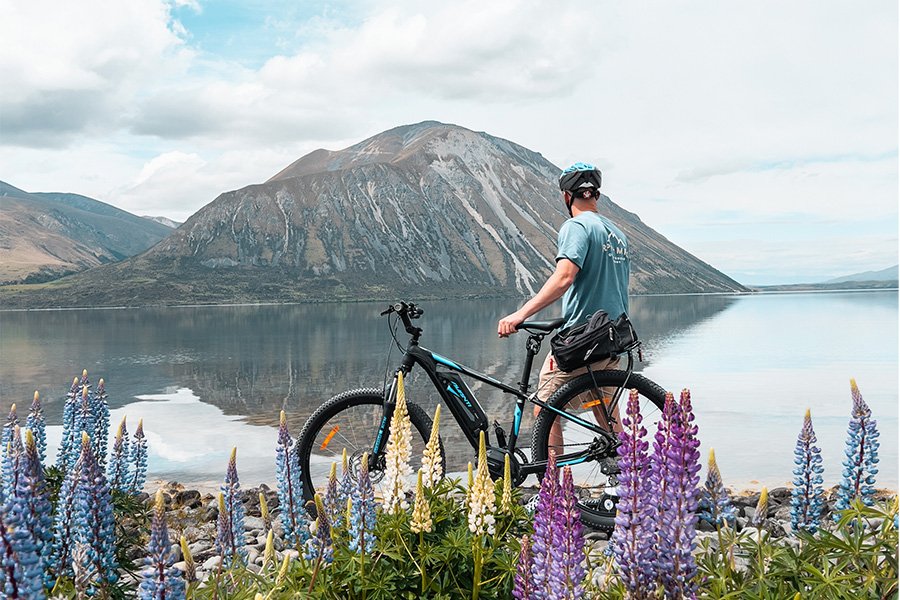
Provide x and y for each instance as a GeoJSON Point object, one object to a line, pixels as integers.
{"type": "Point", "coordinates": [551, 378]}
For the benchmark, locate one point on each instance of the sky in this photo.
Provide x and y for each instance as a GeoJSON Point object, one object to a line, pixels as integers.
{"type": "Point", "coordinates": [759, 136]}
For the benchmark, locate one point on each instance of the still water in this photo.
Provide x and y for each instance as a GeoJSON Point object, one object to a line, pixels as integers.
{"type": "Point", "coordinates": [204, 379]}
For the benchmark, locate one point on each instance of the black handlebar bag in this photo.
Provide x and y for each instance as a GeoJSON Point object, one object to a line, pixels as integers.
{"type": "Point", "coordinates": [595, 340]}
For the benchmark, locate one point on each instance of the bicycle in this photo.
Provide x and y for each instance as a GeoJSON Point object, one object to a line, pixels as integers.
{"type": "Point", "coordinates": [358, 420]}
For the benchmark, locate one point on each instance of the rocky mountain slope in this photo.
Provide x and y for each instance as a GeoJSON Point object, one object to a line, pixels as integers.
{"type": "Point", "coordinates": [44, 236]}
{"type": "Point", "coordinates": [428, 209]}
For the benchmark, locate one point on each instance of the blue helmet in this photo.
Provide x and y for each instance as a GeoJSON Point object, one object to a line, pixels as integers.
{"type": "Point", "coordinates": [580, 175]}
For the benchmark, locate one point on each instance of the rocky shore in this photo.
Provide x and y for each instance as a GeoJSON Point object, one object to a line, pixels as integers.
{"type": "Point", "coordinates": [193, 514]}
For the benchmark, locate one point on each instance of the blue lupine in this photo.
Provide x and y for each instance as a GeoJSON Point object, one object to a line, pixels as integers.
{"type": "Point", "coordinates": [332, 499]}
{"type": "Point", "coordinates": [522, 589]}
{"type": "Point", "coordinates": [716, 507]}
{"type": "Point", "coordinates": [861, 456]}
{"type": "Point", "coordinates": [69, 441]}
{"type": "Point", "coordinates": [567, 572]}
{"type": "Point", "coordinates": [320, 547]}
{"type": "Point", "coordinates": [634, 531]}
{"type": "Point", "coordinates": [230, 539]}
{"type": "Point", "coordinates": [12, 421]}
{"type": "Point", "coordinates": [807, 497]}
{"type": "Point", "coordinates": [362, 512]}
{"type": "Point", "coordinates": [138, 459]}
{"type": "Point", "coordinates": [35, 422]}
{"type": "Point", "coordinates": [290, 488]}
{"type": "Point", "coordinates": [677, 514]}
{"type": "Point", "coordinates": [161, 581]}
{"type": "Point", "coordinates": [544, 525]}
{"type": "Point", "coordinates": [63, 545]}
{"type": "Point", "coordinates": [12, 462]}
{"type": "Point", "coordinates": [93, 518]}
{"type": "Point", "coordinates": [21, 571]}
{"type": "Point", "coordinates": [100, 411]}
{"type": "Point", "coordinates": [117, 471]}
{"type": "Point", "coordinates": [347, 484]}
{"type": "Point", "coordinates": [34, 492]}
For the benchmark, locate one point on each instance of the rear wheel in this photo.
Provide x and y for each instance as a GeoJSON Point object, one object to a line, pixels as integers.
{"type": "Point", "coordinates": [350, 421]}
{"type": "Point", "coordinates": [594, 475]}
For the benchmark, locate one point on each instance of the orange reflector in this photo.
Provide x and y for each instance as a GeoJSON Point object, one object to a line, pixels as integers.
{"type": "Point", "coordinates": [590, 404]}
{"type": "Point", "coordinates": [328, 437]}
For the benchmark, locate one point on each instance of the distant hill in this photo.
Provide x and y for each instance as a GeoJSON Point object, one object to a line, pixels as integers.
{"type": "Point", "coordinates": [163, 221]}
{"type": "Point", "coordinates": [44, 236]}
{"type": "Point", "coordinates": [888, 274]}
{"type": "Point", "coordinates": [424, 210]}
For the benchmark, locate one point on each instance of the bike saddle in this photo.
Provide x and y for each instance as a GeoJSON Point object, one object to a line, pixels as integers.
{"type": "Point", "coordinates": [545, 326]}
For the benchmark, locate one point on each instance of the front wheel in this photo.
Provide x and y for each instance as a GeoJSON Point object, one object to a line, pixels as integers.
{"type": "Point", "coordinates": [592, 476]}
{"type": "Point", "coordinates": [351, 421]}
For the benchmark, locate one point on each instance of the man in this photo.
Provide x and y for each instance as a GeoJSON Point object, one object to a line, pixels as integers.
{"type": "Point", "coordinates": [591, 274]}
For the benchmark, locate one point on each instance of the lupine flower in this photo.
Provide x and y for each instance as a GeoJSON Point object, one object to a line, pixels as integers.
{"type": "Point", "coordinates": [432, 466]}
{"type": "Point", "coordinates": [12, 421]}
{"type": "Point", "coordinates": [332, 501]}
{"type": "Point", "coordinates": [139, 459]}
{"type": "Point", "coordinates": [269, 552]}
{"type": "Point", "coordinates": [347, 484]}
{"type": "Point", "coordinates": [63, 546]}
{"type": "Point", "coordinates": [117, 471]}
{"type": "Point", "coordinates": [762, 508]}
{"type": "Point", "coordinates": [290, 488]}
{"type": "Point", "coordinates": [660, 477]}
{"type": "Point", "coordinates": [421, 515]}
{"type": "Point", "coordinates": [93, 517]}
{"type": "Point", "coordinates": [100, 411]}
{"type": "Point", "coordinates": [860, 464]}
{"type": "Point", "coordinates": [567, 572]}
{"type": "Point", "coordinates": [35, 422]}
{"type": "Point", "coordinates": [522, 589]}
{"type": "Point", "coordinates": [264, 512]}
{"type": "Point", "coordinates": [481, 495]}
{"type": "Point", "coordinates": [232, 525]}
{"type": "Point", "coordinates": [676, 516]}
{"type": "Point", "coordinates": [634, 531]}
{"type": "Point", "coordinates": [84, 419]}
{"type": "Point", "coordinates": [397, 455]}
{"type": "Point", "coordinates": [68, 441]}
{"type": "Point", "coordinates": [12, 459]}
{"type": "Point", "coordinates": [506, 494]}
{"type": "Point", "coordinates": [544, 524]}
{"type": "Point", "coordinates": [190, 567]}
{"type": "Point", "coordinates": [33, 490]}
{"type": "Point", "coordinates": [362, 512]}
{"type": "Point", "coordinates": [161, 581]}
{"type": "Point", "coordinates": [21, 571]}
{"type": "Point", "coordinates": [807, 497]}
{"type": "Point", "coordinates": [716, 506]}
{"type": "Point", "coordinates": [320, 547]}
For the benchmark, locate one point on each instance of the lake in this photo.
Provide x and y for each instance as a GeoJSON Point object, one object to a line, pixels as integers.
{"type": "Point", "coordinates": [204, 379]}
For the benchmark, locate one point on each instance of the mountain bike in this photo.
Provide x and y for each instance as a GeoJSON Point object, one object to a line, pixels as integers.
{"type": "Point", "coordinates": [358, 420]}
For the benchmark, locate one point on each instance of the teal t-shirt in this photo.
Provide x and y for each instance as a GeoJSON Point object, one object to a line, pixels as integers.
{"type": "Point", "coordinates": [600, 250]}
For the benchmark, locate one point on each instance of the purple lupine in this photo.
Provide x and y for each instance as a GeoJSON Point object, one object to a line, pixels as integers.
{"type": "Point", "coordinates": [634, 532]}
{"type": "Point", "coordinates": [233, 533]}
{"type": "Point", "coordinates": [290, 487]}
{"type": "Point", "coordinates": [661, 478]}
{"type": "Point", "coordinates": [677, 519]}
{"type": "Point", "coordinates": [94, 523]}
{"type": "Point", "coordinates": [332, 499]}
{"type": "Point", "coordinates": [362, 512]}
{"type": "Point", "coordinates": [320, 549]}
{"type": "Point", "coordinates": [567, 572]}
{"type": "Point", "coordinates": [861, 462]}
{"type": "Point", "coordinates": [35, 422]}
{"type": "Point", "coordinates": [522, 589]}
{"type": "Point", "coordinates": [716, 507]}
{"type": "Point", "coordinates": [160, 580]}
{"type": "Point", "coordinates": [138, 459]}
{"type": "Point", "coordinates": [807, 497]}
{"type": "Point", "coordinates": [544, 524]}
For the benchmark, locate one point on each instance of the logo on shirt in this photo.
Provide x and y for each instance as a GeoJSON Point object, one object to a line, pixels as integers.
{"type": "Point", "coordinates": [616, 248]}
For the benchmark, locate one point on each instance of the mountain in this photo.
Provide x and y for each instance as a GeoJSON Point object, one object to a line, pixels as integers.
{"type": "Point", "coordinates": [888, 274]}
{"type": "Point", "coordinates": [425, 210]}
{"type": "Point", "coordinates": [163, 221]}
{"type": "Point", "coordinates": [44, 236]}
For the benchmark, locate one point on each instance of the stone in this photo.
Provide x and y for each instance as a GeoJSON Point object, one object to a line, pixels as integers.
{"type": "Point", "coordinates": [779, 495]}
{"type": "Point", "coordinates": [212, 563]}
{"type": "Point", "coordinates": [783, 513]}
{"type": "Point", "coordinates": [189, 499]}
{"type": "Point", "coordinates": [253, 523]}
{"type": "Point", "coordinates": [211, 514]}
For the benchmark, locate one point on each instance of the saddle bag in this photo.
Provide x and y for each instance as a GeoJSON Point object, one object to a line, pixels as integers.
{"type": "Point", "coordinates": [595, 340]}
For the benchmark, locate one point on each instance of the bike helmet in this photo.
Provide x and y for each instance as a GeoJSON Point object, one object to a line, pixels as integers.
{"type": "Point", "coordinates": [578, 176]}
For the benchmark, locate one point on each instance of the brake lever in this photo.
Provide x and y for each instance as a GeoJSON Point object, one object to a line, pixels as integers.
{"type": "Point", "coordinates": [388, 310]}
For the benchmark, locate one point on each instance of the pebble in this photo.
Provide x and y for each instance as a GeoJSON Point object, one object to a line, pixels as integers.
{"type": "Point", "coordinates": [212, 563]}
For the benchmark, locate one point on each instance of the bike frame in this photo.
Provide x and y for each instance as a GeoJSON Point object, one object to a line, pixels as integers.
{"type": "Point", "coordinates": [460, 405]}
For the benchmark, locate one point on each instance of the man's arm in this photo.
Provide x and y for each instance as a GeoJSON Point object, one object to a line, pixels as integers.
{"type": "Point", "coordinates": [556, 285]}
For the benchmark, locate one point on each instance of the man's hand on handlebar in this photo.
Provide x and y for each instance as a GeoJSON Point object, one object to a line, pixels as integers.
{"type": "Point", "coordinates": [509, 324]}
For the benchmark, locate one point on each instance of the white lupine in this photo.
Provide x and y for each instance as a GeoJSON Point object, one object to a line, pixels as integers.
{"type": "Point", "coordinates": [432, 469]}
{"type": "Point", "coordinates": [421, 515]}
{"type": "Point", "coordinates": [481, 495]}
{"type": "Point", "coordinates": [397, 455]}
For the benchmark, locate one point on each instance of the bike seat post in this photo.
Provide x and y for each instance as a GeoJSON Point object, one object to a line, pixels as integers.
{"type": "Point", "coordinates": [532, 347]}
